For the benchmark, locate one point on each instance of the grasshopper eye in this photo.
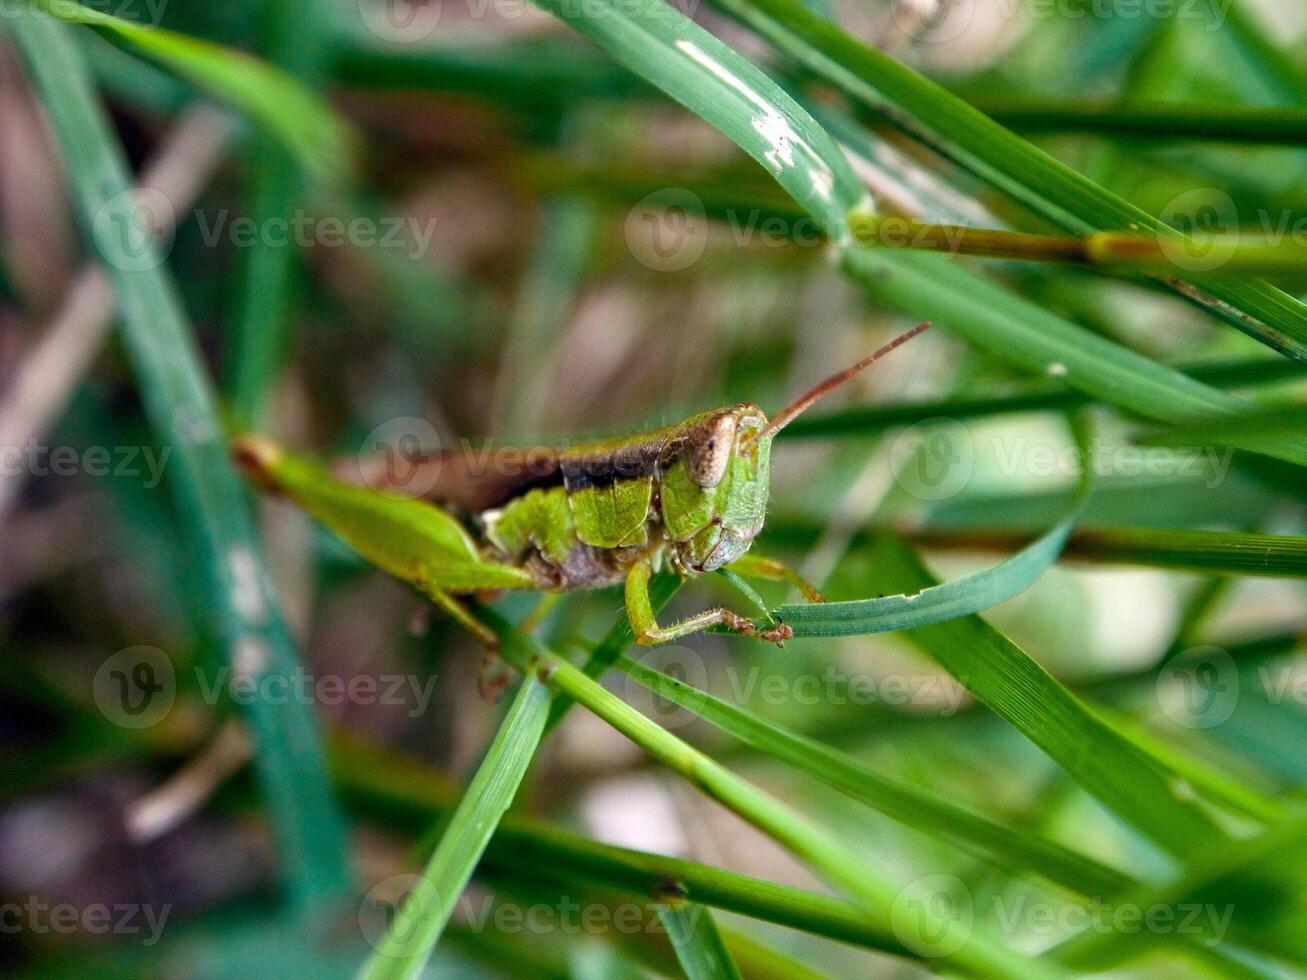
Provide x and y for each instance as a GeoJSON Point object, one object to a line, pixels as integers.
{"type": "Point", "coordinates": [711, 453]}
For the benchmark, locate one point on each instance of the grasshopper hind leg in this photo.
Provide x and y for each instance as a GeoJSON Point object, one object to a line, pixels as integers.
{"type": "Point", "coordinates": [644, 623]}
{"type": "Point", "coordinates": [495, 675]}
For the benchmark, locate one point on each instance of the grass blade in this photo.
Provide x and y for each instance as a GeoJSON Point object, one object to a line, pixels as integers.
{"type": "Point", "coordinates": [1228, 124]}
{"type": "Point", "coordinates": [179, 404]}
{"type": "Point", "coordinates": [927, 285]}
{"type": "Point", "coordinates": [961, 597]}
{"type": "Point", "coordinates": [698, 944]}
{"type": "Point", "coordinates": [1037, 397]}
{"type": "Point", "coordinates": [1013, 165]}
{"type": "Point", "coordinates": [932, 931]}
{"type": "Point", "coordinates": [409, 790]}
{"type": "Point", "coordinates": [1135, 786]}
{"type": "Point", "coordinates": [294, 39]}
{"type": "Point", "coordinates": [936, 603]}
{"type": "Point", "coordinates": [1227, 879]}
{"type": "Point", "coordinates": [663, 46]}
{"type": "Point", "coordinates": [1016, 330]}
{"type": "Point", "coordinates": [320, 140]}
{"type": "Point", "coordinates": [1227, 552]}
{"type": "Point", "coordinates": [915, 808]}
{"type": "Point", "coordinates": [421, 919]}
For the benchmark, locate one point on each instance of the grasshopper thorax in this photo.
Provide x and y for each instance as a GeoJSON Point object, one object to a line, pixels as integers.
{"type": "Point", "coordinates": [714, 476]}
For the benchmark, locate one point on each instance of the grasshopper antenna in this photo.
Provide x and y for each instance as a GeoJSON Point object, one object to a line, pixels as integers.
{"type": "Point", "coordinates": [805, 401]}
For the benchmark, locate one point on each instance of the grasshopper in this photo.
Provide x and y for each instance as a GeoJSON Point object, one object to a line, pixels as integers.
{"type": "Point", "coordinates": [692, 496]}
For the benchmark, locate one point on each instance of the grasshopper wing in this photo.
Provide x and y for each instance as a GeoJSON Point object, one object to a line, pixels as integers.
{"type": "Point", "coordinates": [474, 480]}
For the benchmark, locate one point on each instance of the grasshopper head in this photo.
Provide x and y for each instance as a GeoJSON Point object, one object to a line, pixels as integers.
{"type": "Point", "coordinates": [715, 473]}
{"type": "Point", "coordinates": [714, 487]}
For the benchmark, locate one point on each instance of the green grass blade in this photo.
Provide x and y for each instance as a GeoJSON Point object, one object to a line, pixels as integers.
{"type": "Point", "coordinates": [961, 597]}
{"type": "Point", "coordinates": [1037, 397]}
{"type": "Point", "coordinates": [661, 589]}
{"type": "Point", "coordinates": [1227, 552]}
{"type": "Point", "coordinates": [1234, 879]}
{"type": "Point", "coordinates": [1227, 124]}
{"type": "Point", "coordinates": [1013, 165]}
{"type": "Point", "coordinates": [421, 919]}
{"type": "Point", "coordinates": [1273, 421]}
{"type": "Point", "coordinates": [320, 140]}
{"type": "Point", "coordinates": [1016, 330]}
{"type": "Point", "coordinates": [293, 37]}
{"type": "Point", "coordinates": [698, 944]}
{"type": "Point", "coordinates": [1213, 783]}
{"type": "Point", "coordinates": [933, 931]}
{"type": "Point", "coordinates": [1135, 786]}
{"type": "Point", "coordinates": [180, 406]}
{"type": "Point", "coordinates": [929, 286]}
{"type": "Point", "coordinates": [408, 792]}
{"type": "Point", "coordinates": [661, 45]}
{"type": "Point", "coordinates": [1010, 846]}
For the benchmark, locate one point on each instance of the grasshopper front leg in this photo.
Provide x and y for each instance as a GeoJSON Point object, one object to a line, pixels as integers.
{"type": "Point", "coordinates": [775, 570]}
{"type": "Point", "coordinates": [644, 624]}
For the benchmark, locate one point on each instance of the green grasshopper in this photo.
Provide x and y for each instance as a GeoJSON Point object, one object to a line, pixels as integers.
{"type": "Point", "coordinates": [692, 496]}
